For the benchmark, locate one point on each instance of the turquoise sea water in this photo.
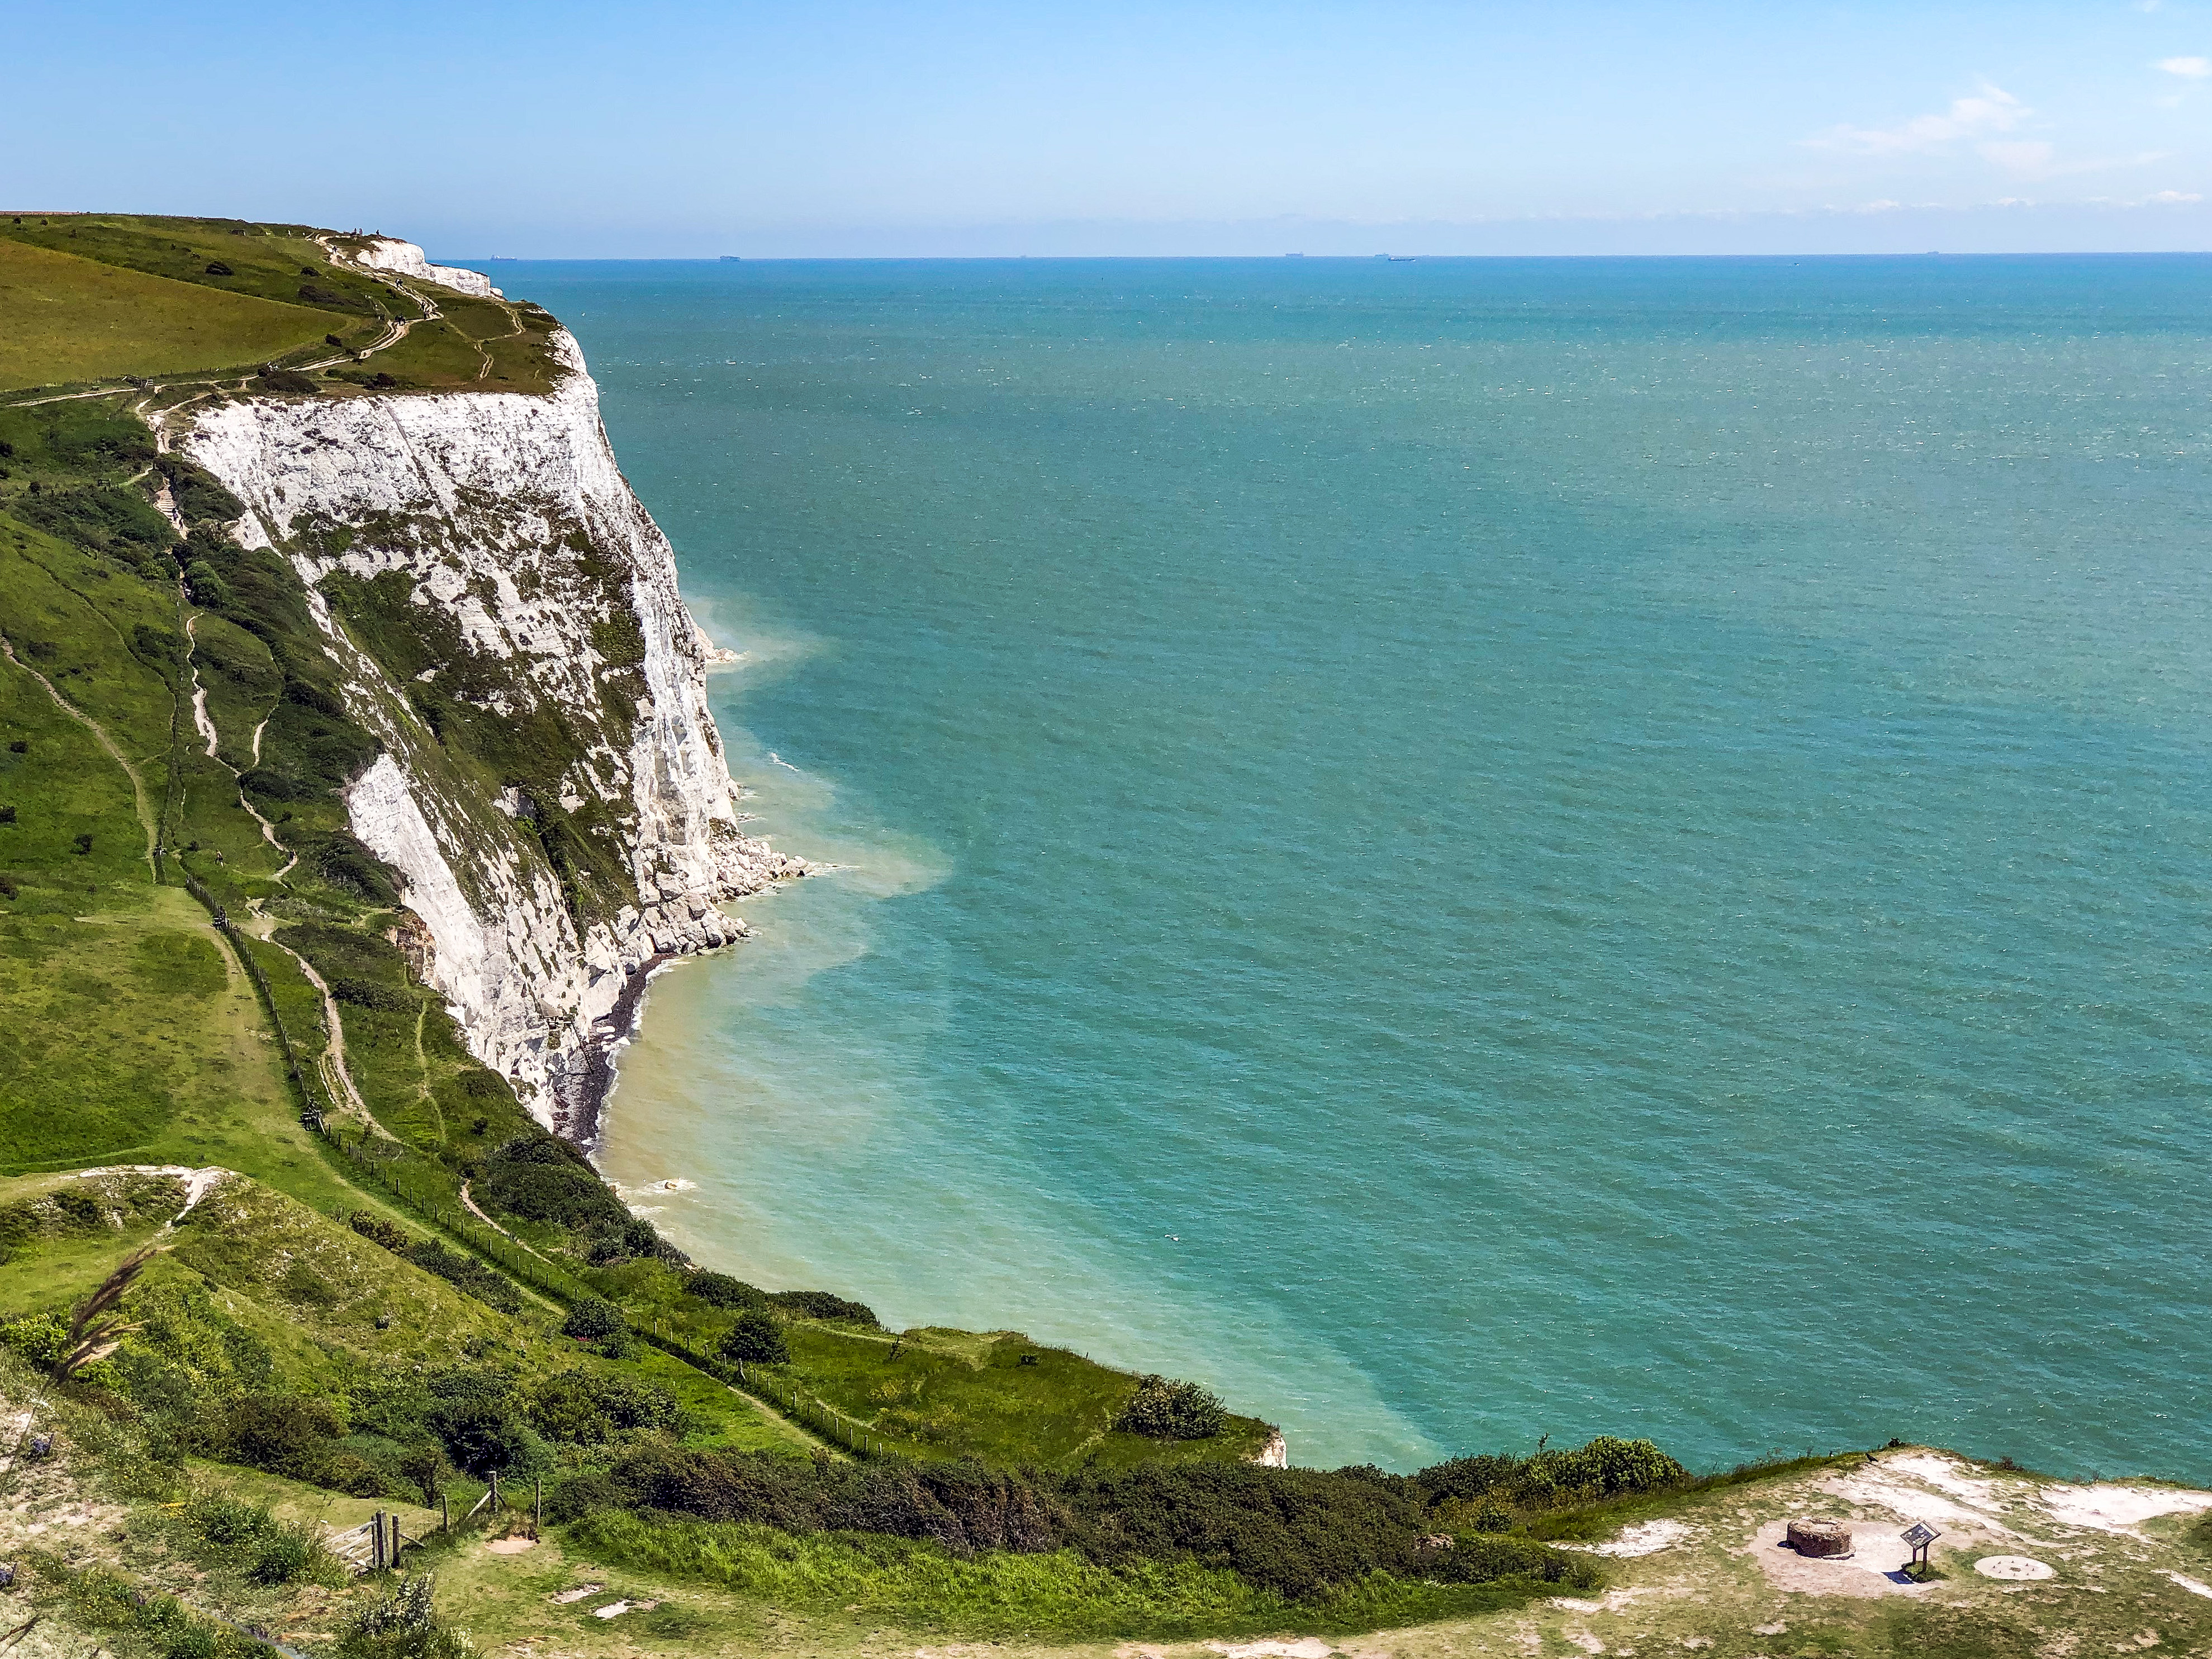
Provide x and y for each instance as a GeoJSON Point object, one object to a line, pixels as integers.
{"type": "Point", "coordinates": [1463, 850]}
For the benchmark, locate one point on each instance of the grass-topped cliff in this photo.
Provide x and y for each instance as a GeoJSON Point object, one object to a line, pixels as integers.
{"type": "Point", "coordinates": [343, 1268]}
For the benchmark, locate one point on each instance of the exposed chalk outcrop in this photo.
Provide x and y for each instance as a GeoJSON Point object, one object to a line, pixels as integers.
{"type": "Point", "coordinates": [509, 518]}
{"type": "Point", "coordinates": [406, 258]}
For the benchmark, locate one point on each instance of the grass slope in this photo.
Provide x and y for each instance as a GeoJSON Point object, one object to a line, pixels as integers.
{"type": "Point", "coordinates": [73, 319]}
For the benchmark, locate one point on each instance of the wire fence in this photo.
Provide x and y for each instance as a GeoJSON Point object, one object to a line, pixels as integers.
{"type": "Point", "coordinates": [312, 1111]}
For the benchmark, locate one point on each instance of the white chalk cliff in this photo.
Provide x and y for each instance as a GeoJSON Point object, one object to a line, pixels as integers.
{"type": "Point", "coordinates": [407, 260]}
{"type": "Point", "coordinates": [508, 514]}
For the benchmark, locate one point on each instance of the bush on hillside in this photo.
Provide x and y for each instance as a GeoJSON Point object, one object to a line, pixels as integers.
{"type": "Point", "coordinates": [377, 1231]}
{"type": "Point", "coordinates": [198, 496]}
{"type": "Point", "coordinates": [273, 379]}
{"type": "Point", "coordinates": [820, 1305]}
{"type": "Point", "coordinates": [1165, 1410]}
{"type": "Point", "coordinates": [755, 1339]}
{"type": "Point", "coordinates": [540, 1177]}
{"type": "Point", "coordinates": [1299, 1532]}
{"type": "Point", "coordinates": [404, 1625]}
{"type": "Point", "coordinates": [581, 1407]}
{"type": "Point", "coordinates": [465, 1274]}
{"type": "Point", "coordinates": [367, 994]}
{"type": "Point", "coordinates": [1605, 1468]}
{"type": "Point", "coordinates": [721, 1290]}
{"type": "Point", "coordinates": [474, 1416]}
{"type": "Point", "coordinates": [292, 1435]}
{"type": "Point", "coordinates": [591, 1318]}
{"type": "Point", "coordinates": [206, 586]}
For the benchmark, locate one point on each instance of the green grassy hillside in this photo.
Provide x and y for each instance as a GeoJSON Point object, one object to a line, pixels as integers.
{"type": "Point", "coordinates": [95, 299]}
{"type": "Point", "coordinates": [72, 319]}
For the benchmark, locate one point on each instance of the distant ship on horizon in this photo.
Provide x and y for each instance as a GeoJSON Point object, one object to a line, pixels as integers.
{"type": "Point", "coordinates": [733, 258]}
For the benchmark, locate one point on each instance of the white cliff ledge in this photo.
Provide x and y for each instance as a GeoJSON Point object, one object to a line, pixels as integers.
{"type": "Point", "coordinates": [509, 515]}
{"type": "Point", "coordinates": [407, 260]}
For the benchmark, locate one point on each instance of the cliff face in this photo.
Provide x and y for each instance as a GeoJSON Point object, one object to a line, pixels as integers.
{"type": "Point", "coordinates": [406, 259]}
{"type": "Point", "coordinates": [477, 562]}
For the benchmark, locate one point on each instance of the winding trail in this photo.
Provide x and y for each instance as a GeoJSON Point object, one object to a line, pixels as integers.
{"type": "Point", "coordinates": [337, 1076]}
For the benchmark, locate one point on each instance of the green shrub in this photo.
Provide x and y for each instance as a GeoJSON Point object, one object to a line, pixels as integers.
{"type": "Point", "coordinates": [721, 1290]}
{"type": "Point", "coordinates": [367, 994]}
{"type": "Point", "coordinates": [820, 1305]}
{"type": "Point", "coordinates": [1165, 1410]}
{"type": "Point", "coordinates": [1607, 1467]}
{"type": "Point", "coordinates": [229, 1522]}
{"type": "Point", "coordinates": [1302, 1534]}
{"type": "Point", "coordinates": [294, 1555]}
{"type": "Point", "coordinates": [755, 1339]}
{"type": "Point", "coordinates": [539, 1178]}
{"type": "Point", "coordinates": [377, 1231]}
{"type": "Point", "coordinates": [119, 521]}
{"type": "Point", "coordinates": [586, 1407]}
{"type": "Point", "coordinates": [465, 1274]}
{"type": "Point", "coordinates": [475, 1418]}
{"type": "Point", "coordinates": [40, 1338]}
{"type": "Point", "coordinates": [404, 1625]}
{"type": "Point", "coordinates": [591, 1318]}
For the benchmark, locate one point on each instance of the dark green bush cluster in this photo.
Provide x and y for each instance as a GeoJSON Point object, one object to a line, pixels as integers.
{"type": "Point", "coordinates": [589, 1409]}
{"type": "Point", "coordinates": [367, 994]}
{"type": "Point", "coordinates": [198, 497]}
{"type": "Point", "coordinates": [465, 1274]}
{"type": "Point", "coordinates": [1296, 1531]}
{"type": "Point", "coordinates": [1167, 1410]}
{"type": "Point", "coordinates": [483, 1423]}
{"type": "Point", "coordinates": [273, 379]}
{"type": "Point", "coordinates": [120, 522]}
{"type": "Point", "coordinates": [1605, 1468]}
{"type": "Point", "coordinates": [393, 1437]}
{"type": "Point", "coordinates": [592, 1319]}
{"type": "Point", "coordinates": [721, 1290]}
{"type": "Point", "coordinates": [755, 1339]}
{"type": "Point", "coordinates": [377, 1231]}
{"type": "Point", "coordinates": [540, 1177]}
{"type": "Point", "coordinates": [296, 1435]}
{"type": "Point", "coordinates": [821, 1305]}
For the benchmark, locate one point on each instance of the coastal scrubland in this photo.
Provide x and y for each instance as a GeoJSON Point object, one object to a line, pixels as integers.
{"type": "Point", "coordinates": [353, 1276]}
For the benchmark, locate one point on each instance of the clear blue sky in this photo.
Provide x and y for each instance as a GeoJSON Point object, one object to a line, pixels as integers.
{"type": "Point", "coordinates": [670, 127]}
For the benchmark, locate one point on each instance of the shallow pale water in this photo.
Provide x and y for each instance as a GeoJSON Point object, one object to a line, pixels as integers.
{"type": "Point", "coordinates": [1463, 850]}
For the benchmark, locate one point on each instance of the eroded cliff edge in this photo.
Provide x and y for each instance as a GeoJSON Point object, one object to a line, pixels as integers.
{"type": "Point", "coordinates": [476, 561]}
